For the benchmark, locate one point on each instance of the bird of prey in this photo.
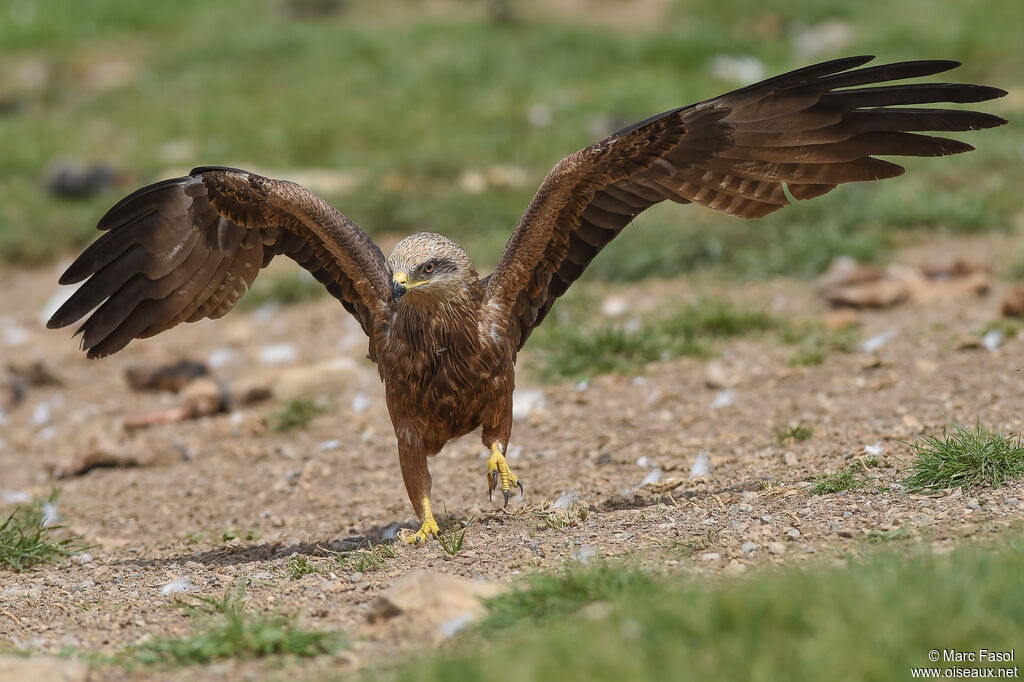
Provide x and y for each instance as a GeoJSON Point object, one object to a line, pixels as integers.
{"type": "Point", "coordinates": [444, 339]}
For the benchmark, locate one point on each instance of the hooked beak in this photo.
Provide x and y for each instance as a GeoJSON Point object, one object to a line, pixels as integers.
{"type": "Point", "coordinates": [398, 282]}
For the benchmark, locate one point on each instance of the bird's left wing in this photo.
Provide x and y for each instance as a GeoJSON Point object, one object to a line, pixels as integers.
{"type": "Point", "coordinates": [188, 248]}
{"type": "Point", "coordinates": [804, 132]}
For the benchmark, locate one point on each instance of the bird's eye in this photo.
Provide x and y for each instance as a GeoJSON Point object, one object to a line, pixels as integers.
{"type": "Point", "coordinates": [429, 267]}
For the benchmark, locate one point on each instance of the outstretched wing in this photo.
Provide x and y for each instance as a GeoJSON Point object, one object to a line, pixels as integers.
{"type": "Point", "coordinates": [804, 132]}
{"type": "Point", "coordinates": [188, 248]}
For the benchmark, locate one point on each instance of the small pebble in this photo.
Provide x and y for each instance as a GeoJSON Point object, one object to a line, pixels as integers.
{"type": "Point", "coordinates": [710, 556]}
{"type": "Point", "coordinates": [793, 533]}
{"type": "Point", "coordinates": [749, 547]}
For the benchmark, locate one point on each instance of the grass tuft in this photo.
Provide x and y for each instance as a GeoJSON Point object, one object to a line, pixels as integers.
{"type": "Point", "coordinates": [793, 434]}
{"type": "Point", "coordinates": [570, 351]}
{"type": "Point", "coordinates": [790, 624]}
{"type": "Point", "coordinates": [814, 343]}
{"type": "Point", "coordinates": [294, 414]}
{"type": "Point", "coordinates": [300, 566]}
{"type": "Point", "coordinates": [897, 534]}
{"type": "Point", "coordinates": [367, 560]}
{"type": "Point", "coordinates": [965, 458]}
{"type": "Point", "coordinates": [849, 479]}
{"type": "Point", "coordinates": [27, 538]}
{"type": "Point", "coordinates": [548, 595]}
{"type": "Point", "coordinates": [228, 631]}
{"type": "Point", "coordinates": [452, 536]}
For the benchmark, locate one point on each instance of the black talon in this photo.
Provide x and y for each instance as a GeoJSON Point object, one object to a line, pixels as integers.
{"type": "Point", "coordinates": [506, 497]}
{"type": "Point", "coordinates": [522, 490]}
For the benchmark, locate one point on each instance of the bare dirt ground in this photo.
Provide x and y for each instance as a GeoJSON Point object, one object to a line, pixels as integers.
{"type": "Point", "coordinates": [336, 484]}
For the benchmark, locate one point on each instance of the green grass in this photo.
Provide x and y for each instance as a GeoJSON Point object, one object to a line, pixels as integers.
{"type": "Point", "coordinates": [251, 535]}
{"type": "Point", "coordinates": [569, 350]}
{"type": "Point", "coordinates": [543, 597]}
{"type": "Point", "coordinates": [301, 566]}
{"type": "Point", "coordinates": [226, 630]}
{"type": "Point", "coordinates": [451, 537]}
{"type": "Point", "coordinates": [286, 288]}
{"type": "Point", "coordinates": [898, 534]}
{"type": "Point", "coordinates": [571, 346]}
{"type": "Point", "coordinates": [869, 620]}
{"type": "Point", "coordinates": [122, 82]}
{"type": "Point", "coordinates": [367, 560]}
{"type": "Point", "coordinates": [25, 542]}
{"type": "Point", "coordinates": [294, 414]}
{"type": "Point", "coordinates": [848, 479]}
{"type": "Point", "coordinates": [965, 458]}
{"type": "Point", "coordinates": [814, 343]}
{"type": "Point", "coordinates": [794, 434]}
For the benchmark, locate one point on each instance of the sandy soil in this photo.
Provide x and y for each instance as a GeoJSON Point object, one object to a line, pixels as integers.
{"type": "Point", "coordinates": [336, 483]}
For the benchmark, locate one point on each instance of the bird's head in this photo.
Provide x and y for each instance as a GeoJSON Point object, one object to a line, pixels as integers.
{"type": "Point", "coordinates": [427, 267]}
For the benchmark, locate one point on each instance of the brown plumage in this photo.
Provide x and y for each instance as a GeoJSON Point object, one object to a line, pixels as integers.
{"type": "Point", "coordinates": [445, 341]}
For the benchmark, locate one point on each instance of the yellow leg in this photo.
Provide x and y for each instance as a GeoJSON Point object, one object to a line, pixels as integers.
{"type": "Point", "coordinates": [498, 471]}
{"type": "Point", "coordinates": [427, 529]}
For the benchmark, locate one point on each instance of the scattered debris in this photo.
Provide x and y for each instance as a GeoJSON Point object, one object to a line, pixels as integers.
{"type": "Point", "coordinates": [176, 586]}
{"type": "Point", "coordinates": [34, 374]}
{"type": "Point", "coordinates": [723, 399]}
{"type": "Point", "coordinates": [831, 36]}
{"type": "Point", "coordinates": [585, 554]}
{"type": "Point", "coordinates": [717, 376]}
{"type": "Point", "coordinates": [431, 606]}
{"type": "Point", "coordinates": [77, 180]}
{"type": "Point", "coordinates": [615, 305]}
{"type": "Point", "coordinates": [848, 283]}
{"type": "Point", "coordinates": [360, 401]}
{"type": "Point", "coordinates": [992, 340]}
{"type": "Point", "coordinates": [737, 69]}
{"type": "Point", "coordinates": [88, 460]}
{"type": "Point", "coordinates": [653, 476]}
{"type": "Point", "coordinates": [701, 465]}
{"type": "Point", "coordinates": [525, 401]}
{"type": "Point", "coordinates": [1013, 302]}
{"type": "Point", "coordinates": [278, 354]}
{"type": "Point", "coordinates": [566, 500]}
{"type": "Point", "coordinates": [837, 320]}
{"type": "Point", "coordinates": [200, 398]}
{"type": "Point", "coordinates": [168, 377]}
{"type": "Point", "coordinates": [14, 496]}
{"type": "Point", "coordinates": [881, 293]}
{"type": "Point", "coordinates": [878, 340]}
{"type": "Point", "coordinates": [221, 357]}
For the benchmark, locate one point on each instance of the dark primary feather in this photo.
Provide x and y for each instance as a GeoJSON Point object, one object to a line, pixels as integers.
{"type": "Point", "coordinates": [188, 248]}
{"type": "Point", "coordinates": [805, 131]}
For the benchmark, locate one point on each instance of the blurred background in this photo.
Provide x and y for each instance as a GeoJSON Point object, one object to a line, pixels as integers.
{"type": "Point", "coordinates": [445, 115]}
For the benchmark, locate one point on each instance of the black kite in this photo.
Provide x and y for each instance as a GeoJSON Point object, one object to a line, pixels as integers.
{"type": "Point", "coordinates": [444, 339]}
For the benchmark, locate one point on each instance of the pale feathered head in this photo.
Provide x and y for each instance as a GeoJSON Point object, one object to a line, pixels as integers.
{"type": "Point", "coordinates": [428, 267]}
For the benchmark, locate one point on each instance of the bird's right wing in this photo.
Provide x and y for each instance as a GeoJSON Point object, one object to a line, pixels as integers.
{"type": "Point", "coordinates": [188, 248]}
{"type": "Point", "coordinates": [744, 153]}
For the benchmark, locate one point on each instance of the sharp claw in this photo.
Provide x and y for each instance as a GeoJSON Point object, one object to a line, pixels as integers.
{"type": "Point", "coordinates": [490, 494]}
{"type": "Point", "coordinates": [506, 497]}
{"type": "Point", "coordinates": [522, 490]}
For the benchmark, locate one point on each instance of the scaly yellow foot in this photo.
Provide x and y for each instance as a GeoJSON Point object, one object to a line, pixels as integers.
{"type": "Point", "coordinates": [497, 470]}
{"type": "Point", "coordinates": [427, 529]}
